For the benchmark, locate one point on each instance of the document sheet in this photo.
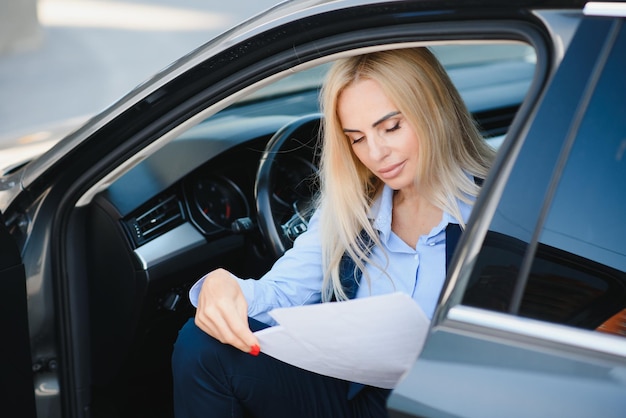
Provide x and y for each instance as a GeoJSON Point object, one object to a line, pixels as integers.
{"type": "Point", "coordinates": [373, 340]}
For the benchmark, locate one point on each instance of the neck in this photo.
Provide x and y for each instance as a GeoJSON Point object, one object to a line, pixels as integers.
{"type": "Point", "coordinates": [413, 216]}
{"type": "Point", "coordinates": [410, 197]}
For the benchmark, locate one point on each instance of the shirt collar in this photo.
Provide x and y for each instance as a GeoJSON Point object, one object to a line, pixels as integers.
{"type": "Point", "coordinates": [381, 212]}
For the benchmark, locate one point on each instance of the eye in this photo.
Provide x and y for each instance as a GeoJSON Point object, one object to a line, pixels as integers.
{"type": "Point", "coordinates": [354, 141]}
{"type": "Point", "coordinates": [395, 127]}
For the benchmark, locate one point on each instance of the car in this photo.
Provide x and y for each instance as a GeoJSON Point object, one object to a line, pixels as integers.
{"type": "Point", "coordinates": [211, 162]}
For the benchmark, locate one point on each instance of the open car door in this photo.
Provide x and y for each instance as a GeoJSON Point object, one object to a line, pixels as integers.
{"type": "Point", "coordinates": [16, 380]}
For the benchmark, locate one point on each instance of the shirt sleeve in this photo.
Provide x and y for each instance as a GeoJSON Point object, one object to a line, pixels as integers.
{"type": "Point", "coordinates": [295, 279]}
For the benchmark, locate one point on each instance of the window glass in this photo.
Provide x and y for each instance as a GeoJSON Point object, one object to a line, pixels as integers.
{"type": "Point", "coordinates": [578, 274]}
{"type": "Point", "coordinates": [588, 213]}
{"type": "Point", "coordinates": [514, 61]}
{"type": "Point", "coordinates": [497, 267]}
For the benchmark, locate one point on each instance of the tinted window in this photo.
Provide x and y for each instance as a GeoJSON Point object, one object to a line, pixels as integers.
{"type": "Point", "coordinates": [576, 273]}
{"type": "Point", "coordinates": [587, 219]}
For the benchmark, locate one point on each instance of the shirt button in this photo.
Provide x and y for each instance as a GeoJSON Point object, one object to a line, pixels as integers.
{"type": "Point", "coordinates": [432, 244]}
{"type": "Point", "coordinates": [416, 257]}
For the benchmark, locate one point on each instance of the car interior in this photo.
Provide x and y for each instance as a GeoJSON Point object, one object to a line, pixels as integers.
{"type": "Point", "coordinates": [231, 188]}
{"type": "Point", "coordinates": [230, 191]}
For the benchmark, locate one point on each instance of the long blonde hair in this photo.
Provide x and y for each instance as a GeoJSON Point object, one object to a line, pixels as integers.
{"type": "Point", "coordinates": [451, 151]}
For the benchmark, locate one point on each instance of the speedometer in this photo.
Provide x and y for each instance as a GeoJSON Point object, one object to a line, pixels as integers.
{"type": "Point", "coordinates": [219, 200]}
{"type": "Point", "coordinates": [294, 181]}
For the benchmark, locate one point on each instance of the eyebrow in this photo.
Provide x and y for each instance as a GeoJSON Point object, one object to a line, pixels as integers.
{"type": "Point", "coordinates": [384, 118]}
{"type": "Point", "coordinates": [378, 122]}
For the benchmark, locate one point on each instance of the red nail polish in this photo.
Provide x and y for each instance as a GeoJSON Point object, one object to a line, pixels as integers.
{"type": "Point", "coordinates": [255, 350]}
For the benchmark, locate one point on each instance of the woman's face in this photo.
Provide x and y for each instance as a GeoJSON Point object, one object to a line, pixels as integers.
{"type": "Point", "coordinates": [380, 136]}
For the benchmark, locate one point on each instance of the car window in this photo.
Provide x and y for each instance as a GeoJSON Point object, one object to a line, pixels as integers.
{"type": "Point", "coordinates": [586, 219]}
{"type": "Point", "coordinates": [514, 61]}
{"type": "Point", "coordinates": [492, 77]}
{"type": "Point", "coordinates": [577, 275]}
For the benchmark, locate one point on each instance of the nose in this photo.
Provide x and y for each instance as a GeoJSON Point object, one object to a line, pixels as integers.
{"type": "Point", "coordinates": [378, 148]}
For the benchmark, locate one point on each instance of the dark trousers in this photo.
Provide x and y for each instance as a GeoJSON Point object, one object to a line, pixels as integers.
{"type": "Point", "coordinates": [212, 379]}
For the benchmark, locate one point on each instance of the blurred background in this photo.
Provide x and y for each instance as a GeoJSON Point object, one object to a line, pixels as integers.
{"type": "Point", "coordinates": [62, 61]}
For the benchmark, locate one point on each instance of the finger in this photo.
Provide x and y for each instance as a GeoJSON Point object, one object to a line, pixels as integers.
{"type": "Point", "coordinates": [241, 330]}
{"type": "Point", "coordinates": [236, 321]}
{"type": "Point", "coordinates": [228, 332]}
{"type": "Point", "coordinates": [205, 324]}
{"type": "Point", "coordinates": [227, 324]}
{"type": "Point", "coordinates": [223, 312]}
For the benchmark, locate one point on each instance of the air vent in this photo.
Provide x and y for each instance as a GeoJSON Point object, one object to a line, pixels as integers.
{"type": "Point", "coordinates": [164, 214]}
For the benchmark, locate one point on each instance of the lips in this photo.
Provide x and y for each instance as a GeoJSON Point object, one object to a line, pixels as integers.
{"type": "Point", "coordinates": [391, 171]}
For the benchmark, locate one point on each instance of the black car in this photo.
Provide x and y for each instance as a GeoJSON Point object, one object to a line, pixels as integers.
{"type": "Point", "coordinates": [209, 163]}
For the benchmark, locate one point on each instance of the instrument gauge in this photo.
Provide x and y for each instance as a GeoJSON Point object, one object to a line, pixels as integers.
{"type": "Point", "coordinates": [219, 201]}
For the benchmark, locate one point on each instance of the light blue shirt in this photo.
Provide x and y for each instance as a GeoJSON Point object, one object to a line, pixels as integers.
{"type": "Point", "coordinates": [296, 278]}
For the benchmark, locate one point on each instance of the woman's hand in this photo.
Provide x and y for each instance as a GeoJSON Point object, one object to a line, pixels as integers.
{"type": "Point", "coordinates": [222, 312]}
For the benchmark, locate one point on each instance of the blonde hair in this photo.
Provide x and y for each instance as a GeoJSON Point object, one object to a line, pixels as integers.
{"type": "Point", "coordinates": [451, 151]}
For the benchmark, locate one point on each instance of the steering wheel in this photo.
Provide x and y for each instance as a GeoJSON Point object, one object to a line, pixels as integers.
{"type": "Point", "coordinates": [286, 182]}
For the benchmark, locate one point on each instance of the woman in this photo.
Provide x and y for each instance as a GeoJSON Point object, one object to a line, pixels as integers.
{"type": "Point", "coordinates": [400, 159]}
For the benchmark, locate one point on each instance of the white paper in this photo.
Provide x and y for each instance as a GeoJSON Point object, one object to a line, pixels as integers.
{"type": "Point", "coordinates": [373, 340]}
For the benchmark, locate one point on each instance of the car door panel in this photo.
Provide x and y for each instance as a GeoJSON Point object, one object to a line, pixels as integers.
{"type": "Point", "coordinates": [15, 360]}
{"type": "Point", "coordinates": [490, 377]}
